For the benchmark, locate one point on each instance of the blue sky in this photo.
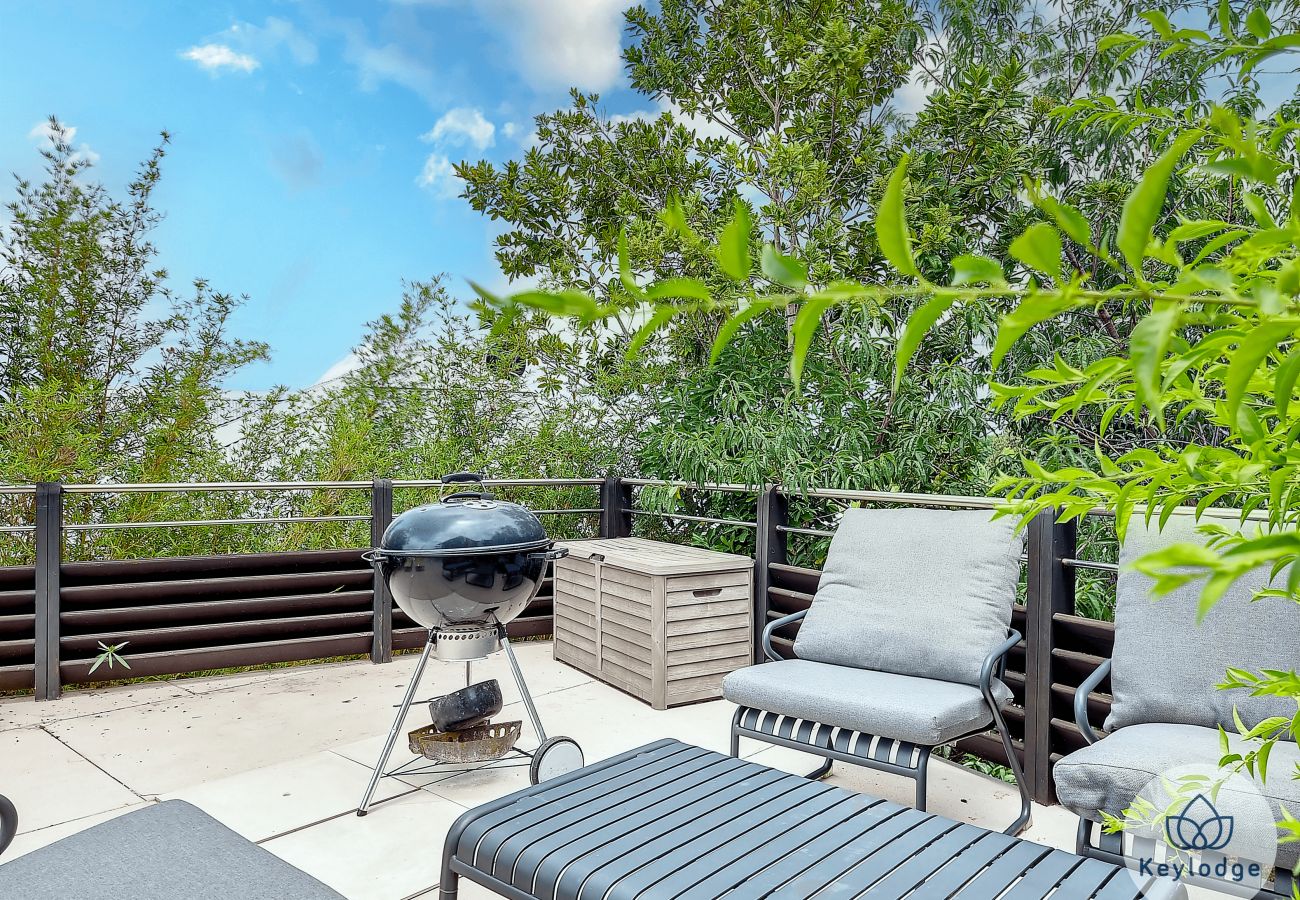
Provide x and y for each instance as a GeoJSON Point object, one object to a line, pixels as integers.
{"type": "Point", "coordinates": [310, 140]}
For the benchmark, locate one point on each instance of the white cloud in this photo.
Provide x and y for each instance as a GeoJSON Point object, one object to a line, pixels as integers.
{"type": "Point", "coordinates": [562, 43]}
{"type": "Point", "coordinates": [44, 135]}
{"type": "Point", "coordinates": [460, 127]}
{"type": "Point", "coordinates": [509, 129]}
{"type": "Point", "coordinates": [439, 176]}
{"type": "Point", "coordinates": [217, 57]}
{"type": "Point", "coordinates": [270, 36]}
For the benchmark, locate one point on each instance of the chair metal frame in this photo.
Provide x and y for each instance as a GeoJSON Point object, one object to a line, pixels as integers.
{"type": "Point", "coordinates": [873, 751]}
{"type": "Point", "coordinates": [1110, 847]}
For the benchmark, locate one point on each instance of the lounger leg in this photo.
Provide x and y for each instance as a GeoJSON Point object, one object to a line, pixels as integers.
{"type": "Point", "coordinates": [449, 887]}
{"type": "Point", "coordinates": [922, 773]}
{"type": "Point", "coordinates": [393, 732]}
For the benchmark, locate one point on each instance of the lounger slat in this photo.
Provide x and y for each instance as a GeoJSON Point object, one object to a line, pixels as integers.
{"type": "Point", "coordinates": [623, 859]}
{"type": "Point", "coordinates": [1086, 879]}
{"type": "Point", "coordinates": [851, 852]}
{"type": "Point", "coordinates": [962, 869]}
{"type": "Point", "coordinates": [1003, 871]}
{"type": "Point", "coordinates": [521, 849]}
{"type": "Point", "coordinates": [664, 870]}
{"type": "Point", "coordinates": [1040, 881]}
{"type": "Point", "coordinates": [914, 872]}
{"type": "Point", "coordinates": [741, 862]}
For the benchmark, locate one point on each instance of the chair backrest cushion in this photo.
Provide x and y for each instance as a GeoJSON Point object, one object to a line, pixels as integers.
{"type": "Point", "coordinates": [1166, 666]}
{"type": "Point", "coordinates": [924, 592]}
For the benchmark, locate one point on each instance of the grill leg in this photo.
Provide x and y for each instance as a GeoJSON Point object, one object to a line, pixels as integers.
{"type": "Point", "coordinates": [523, 689]}
{"type": "Point", "coordinates": [397, 727]}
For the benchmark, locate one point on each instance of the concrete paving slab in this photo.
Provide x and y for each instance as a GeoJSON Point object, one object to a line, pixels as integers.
{"type": "Point", "coordinates": [50, 784]}
{"type": "Point", "coordinates": [394, 852]}
{"type": "Point", "coordinates": [24, 712]}
{"type": "Point", "coordinates": [270, 801]}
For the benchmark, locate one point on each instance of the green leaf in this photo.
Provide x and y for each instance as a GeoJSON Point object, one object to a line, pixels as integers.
{"type": "Point", "coordinates": [1068, 219]}
{"type": "Point", "coordinates": [891, 223]}
{"type": "Point", "coordinates": [971, 269]}
{"type": "Point", "coordinates": [1147, 348]}
{"type": "Point", "coordinates": [1225, 20]}
{"type": "Point", "coordinates": [671, 288]}
{"type": "Point", "coordinates": [624, 267]}
{"type": "Point", "coordinates": [1033, 309]}
{"type": "Point", "coordinates": [729, 328]}
{"type": "Point", "coordinates": [1258, 344]}
{"type": "Point", "coordinates": [1120, 39]}
{"type": "Point", "coordinates": [918, 325]}
{"type": "Point", "coordinates": [1257, 23]}
{"type": "Point", "coordinates": [1144, 205]}
{"type": "Point", "coordinates": [1258, 211]}
{"type": "Point", "coordinates": [660, 318]}
{"type": "Point", "coordinates": [1284, 383]}
{"type": "Point", "coordinates": [787, 271]}
{"type": "Point", "coordinates": [562, 304]}
{"type": "Point", "coordinates": [733, 248]}
{"type": "Point", "coordinates": [805, 326]}
{"type": "Point", "coordinates": [674, 218]}
{"type": "Point", "coordinates": [1039, 248]}
{"type": "Point", "coordinates": [1159, 23]}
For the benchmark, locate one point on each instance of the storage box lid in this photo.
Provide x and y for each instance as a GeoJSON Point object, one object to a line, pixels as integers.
{"type": "Point", "coordinates": [656, 557]}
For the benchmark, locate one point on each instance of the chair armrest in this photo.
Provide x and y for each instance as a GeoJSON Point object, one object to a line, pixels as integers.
{"type": "Point", "coordinates": [772, 626]}
{"type": "Point", "coordinates": [997, 660]}
{"type": "Point", "coordinates": [8, 822]}
{"type": "Point", "coordinates": [1089, 685]}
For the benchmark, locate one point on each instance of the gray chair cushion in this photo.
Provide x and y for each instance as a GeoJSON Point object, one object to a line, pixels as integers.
{"type": "Point", "coordinates": [925, 592]}
{"type": "Point", "coordinates": [1109, 774]}
{"type": "Point", "coordinates": [1166, 666]}
{"type": "Point", "coordinates": [902, 707]}
{"type": "Point", "coordinates": [170, 851]}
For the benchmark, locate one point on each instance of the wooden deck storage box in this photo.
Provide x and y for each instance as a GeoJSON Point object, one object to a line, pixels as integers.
{"type": "Point", "coordinates": [663, 622]}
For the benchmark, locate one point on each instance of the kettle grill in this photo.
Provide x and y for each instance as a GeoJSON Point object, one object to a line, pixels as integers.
{"type": "Point", "coordinates": [464, 567]}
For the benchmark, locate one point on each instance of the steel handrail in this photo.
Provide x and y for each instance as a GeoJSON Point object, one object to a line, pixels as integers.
{"type": "Point", "coordinates": [504, 482]}
{"type": "Point", "coordinates": [190, 523]}
{"type": "Point", "coordinates": [162, 487]}
{"type": "Point", "coordinates": [707, 519]}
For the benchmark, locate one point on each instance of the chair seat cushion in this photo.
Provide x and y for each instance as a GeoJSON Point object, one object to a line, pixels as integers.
{"type": "Point", "coordinates": [901, 707]}
{"type": "Point", "coordinates": [1109, 774]}
{"type": "Point", "coordinates": [169, 851]}
{"type": "Point", "coordinates": [924, 592]}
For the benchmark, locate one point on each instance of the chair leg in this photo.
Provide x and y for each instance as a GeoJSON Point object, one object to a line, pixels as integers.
{"type": "Point", "coordinates": [735, 734]}
{"type": "Point", "coordinates": [821, 771]}
{"type": "Point", "coordinates": [922, 774]}
{"type": "Point", "coordinates": [1026, 807]}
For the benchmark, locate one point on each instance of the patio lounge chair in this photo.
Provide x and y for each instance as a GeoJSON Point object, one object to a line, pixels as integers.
{"type": "Point", "coordinates": [1166, 710]}
{"type": "Point", "coordinates": [902, 650]}
{"type": "Point", "coordinates": [168, 851]}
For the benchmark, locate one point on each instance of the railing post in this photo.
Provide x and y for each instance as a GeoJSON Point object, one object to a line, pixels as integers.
{"type": "Point", "coordinates": [615, 496]}
{"type": "Point", "coordinates": [49, 560]}
{"type": "Point", "coordinates": [769, 547]}
{"type": "Point", "coordinates": [381, 514]}
{"type": "Point", "coordinates": [1049, 590]}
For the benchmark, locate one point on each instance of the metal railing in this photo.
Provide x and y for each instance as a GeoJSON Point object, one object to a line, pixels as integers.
{"type": "Point", "coordinates": [1048, 617]}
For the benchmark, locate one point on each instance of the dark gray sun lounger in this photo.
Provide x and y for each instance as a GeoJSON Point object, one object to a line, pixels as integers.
{"type": "Point", "coordinates": [673, 820]}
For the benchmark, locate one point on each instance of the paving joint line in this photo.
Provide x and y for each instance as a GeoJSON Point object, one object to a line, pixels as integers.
{"type": "Point", "coordinates": [143, 797]}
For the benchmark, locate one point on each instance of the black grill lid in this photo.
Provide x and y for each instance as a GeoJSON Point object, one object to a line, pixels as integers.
{"type": "Point", "coordinates": [464, 522]}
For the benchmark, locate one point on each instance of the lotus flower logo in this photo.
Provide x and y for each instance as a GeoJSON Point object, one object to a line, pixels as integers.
{"type": "Point", "coordinates": [1199, 826]}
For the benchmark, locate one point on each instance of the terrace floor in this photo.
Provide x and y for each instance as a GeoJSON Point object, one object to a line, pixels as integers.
{"type": "Point", "coordinates": [283, 756]}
